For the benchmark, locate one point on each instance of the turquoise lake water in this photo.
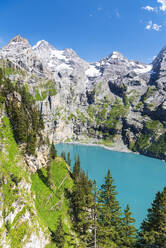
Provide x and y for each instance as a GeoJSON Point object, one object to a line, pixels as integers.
{"type": "Point", "coordinates": [137, 178]}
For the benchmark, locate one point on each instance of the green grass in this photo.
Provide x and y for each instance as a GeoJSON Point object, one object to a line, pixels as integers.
{"type": "Point", "coordinates": [153, 125]}
{"type": "Point", "coordinates": [40, 96]}
{"type": "Point", "coordinates": [51, 200]}
{"type": "Point", "coordinates": [148, 93]}
{"type": "Point", "coordinates": [12, 171]}
{"type": "Point", "coordinates": [142, 142]}
{"type": "Point", "coordinates": [12, 71]}
{"type": "Point", "coordinates": [139, 105]}
{"type": "Point", "coordinates": [17, 235]}
{"type": "Point", "coordinates": [47, 88]}
{"type": "Point", "coordinates": [10, 154]}
{"type": "Point", "coordinates": [150, 141]}
{"type": "Point", "coordinates": [116, 113]}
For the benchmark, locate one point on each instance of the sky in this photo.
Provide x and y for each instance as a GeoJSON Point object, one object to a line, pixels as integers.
{"type": "Point", "coordinates": [93, 28]}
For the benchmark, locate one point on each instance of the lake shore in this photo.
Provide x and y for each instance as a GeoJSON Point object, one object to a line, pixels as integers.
{"type": "Point", "coordinates": [116, 148]}
{"type": "Point", "coordinates": [134, 174]}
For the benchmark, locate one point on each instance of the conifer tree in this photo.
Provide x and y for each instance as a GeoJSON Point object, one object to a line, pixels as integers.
{"type": "Point", "coordinates": [59, 234]}
{"type": "Point", "coordinates": [109, 220]}
{"type": "Point", "coordinates": [76, 169]}
{"type": "Point", "coordinates": [68, 159]}
{"type": "Point", "coordinates": [94, 210]}
{"type": "Point", "coordinates": [53, 152]}
{"type": "Point", "coordinates": [129, 231]}
{"type": "Point", "coordinates": [63, 155]}
{"type": "Point", "coordinates": [153, 229]}
{"type": "Point", "coordinates": [81, 204]}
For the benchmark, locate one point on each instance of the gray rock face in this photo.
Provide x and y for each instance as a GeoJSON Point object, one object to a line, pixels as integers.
{"type": "Point", "coordinates": [90, 102]}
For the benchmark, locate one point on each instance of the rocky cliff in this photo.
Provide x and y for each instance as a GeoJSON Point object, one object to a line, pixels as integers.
{"type": "Point", "coordinates": [117, 102]}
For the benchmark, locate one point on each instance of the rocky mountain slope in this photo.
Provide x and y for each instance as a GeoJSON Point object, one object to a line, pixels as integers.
{"type": "Point", "coordinates": [33, 181]}
{"type": "Point", "coordinates": [115, 101]}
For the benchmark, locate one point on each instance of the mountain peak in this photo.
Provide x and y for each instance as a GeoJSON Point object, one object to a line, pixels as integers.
{"type": "Point", "coordinates": [18, 39]}
{"type": "Point", "coordinates": [116, 55]}
{"type": "Point", "coordinates": [42, 44]}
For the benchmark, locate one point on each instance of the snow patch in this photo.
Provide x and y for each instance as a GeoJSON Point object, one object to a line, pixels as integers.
{"type": "Point", "coordinates": [39, 43]}
{"type": "Point", "coordinates": [132, 63]}
{"type": "Point", "coordinates": [63, 67]}
{"type": "Point", "coordinates": [57, 54]}
{"type": "Point", "coordinates": [114, 55]}
{"type": "Point", "coordinates": [92, 72]}
{"type": "Point", "coordinates": [143, 69]}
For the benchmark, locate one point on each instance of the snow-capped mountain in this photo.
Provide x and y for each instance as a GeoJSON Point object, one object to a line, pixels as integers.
{"type": "Point", "coordinates": [44, 57]}
{"type": "Point", "coordinates": [76, 97]}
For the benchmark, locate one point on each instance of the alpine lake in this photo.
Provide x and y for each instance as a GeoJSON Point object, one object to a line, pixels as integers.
{"type": "Point", "coordinates": [137, 178]}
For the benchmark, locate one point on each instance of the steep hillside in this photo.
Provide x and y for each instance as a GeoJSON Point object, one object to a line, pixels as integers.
{"type": "Point", "coordinates": [32, 184]}
{"type": "Point", "coordinates": [19, 222]}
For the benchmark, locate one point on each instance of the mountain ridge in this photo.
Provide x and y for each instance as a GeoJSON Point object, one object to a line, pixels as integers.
{"type": "Point", "coordinates": [110, 101]}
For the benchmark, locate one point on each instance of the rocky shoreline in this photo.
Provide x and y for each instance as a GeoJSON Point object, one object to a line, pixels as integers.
{"type": "Point", "coordinates": [115, 148]}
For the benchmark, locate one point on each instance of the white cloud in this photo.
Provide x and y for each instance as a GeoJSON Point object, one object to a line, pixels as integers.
{"type": "Point", "coordinates": [156, 27]}
{"type": "Point", "coordinates": [156, 9]}
{"type": "Point", "coordinates": [163, 4]}
{"type": "Point", "coordinates": [152, 26]}
{"type": "Point", "coordinates": [149, 8]}
{"type": "Point", "coordinates": [149, 25]}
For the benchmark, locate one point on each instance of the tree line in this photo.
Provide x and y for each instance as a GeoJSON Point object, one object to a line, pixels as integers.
{"type": "Point", "coordinates": [26, 120]}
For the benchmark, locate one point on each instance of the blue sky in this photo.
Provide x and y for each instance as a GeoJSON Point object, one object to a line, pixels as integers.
{"type": "Point", "coordinates": [93, 28]}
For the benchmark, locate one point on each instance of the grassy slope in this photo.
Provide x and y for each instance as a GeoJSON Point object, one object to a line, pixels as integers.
{"type": "Point", "coordinates": [13, 171]}
{"type": "Point", "coordinates": [50, 200]}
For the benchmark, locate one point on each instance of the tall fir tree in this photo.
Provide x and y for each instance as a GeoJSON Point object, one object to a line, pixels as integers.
{"type": "Point", "coordinates": [81, 204]}
{"type": "Point", "coordinates": [129, 231]}
{"type": "Point", "coordinates": [53, 152]}
{"type": "Point", "coordinates": [153, 229]}
{"type": "Point", "coordinates": [76, 169]}
{"type": "Point", "coordinates": [63, 155]}
{"type": "Point", "coordinates": [68, 159]}
{"type": "Point", "coordinates": [109, 221]}
{"type": "Point", "coordinates": [94, 211]}
{"type": "Point", "coordinates": [59, 234]}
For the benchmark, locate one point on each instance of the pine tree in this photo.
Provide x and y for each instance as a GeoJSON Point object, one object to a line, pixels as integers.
{"type": "Point", "coordinates": [153, 229]}
{"type": "Point", "coordinates": [76, 169]}
{"type": "Point", "coordinates": [81, 204]}
{"type": "Point", "coordinates": [68, 159]}
{"type": "Point", "coordinates": [63, 155]}
{"type": "Point", "coordinates": [53, 152]}
{"type": "Point", "coordinates": [109, 220]}
{"type": "Point", "coordinates": [94, 210]}
{"type": "Point", "coordinates": [129, 231]}
{"type": "Point", "coordinates": [59, 234]}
